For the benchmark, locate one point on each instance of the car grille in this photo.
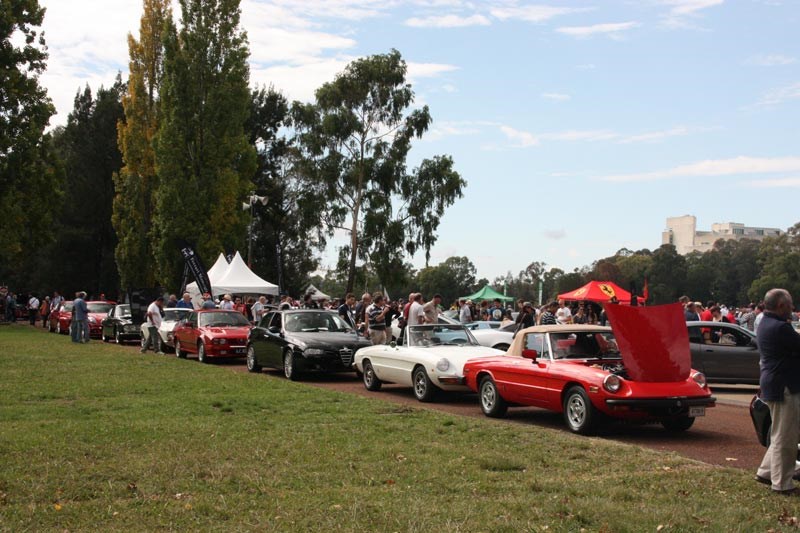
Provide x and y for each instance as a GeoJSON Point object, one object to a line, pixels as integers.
{"type": "Point", "coordinates": [346, 354]}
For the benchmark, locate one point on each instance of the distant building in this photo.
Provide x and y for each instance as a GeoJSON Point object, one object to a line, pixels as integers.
{"type": "Point", "coordinates": [682, 233]}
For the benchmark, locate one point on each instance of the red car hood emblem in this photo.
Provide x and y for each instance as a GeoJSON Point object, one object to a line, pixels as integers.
{"type": "Point", "coordinates": [653, 341]}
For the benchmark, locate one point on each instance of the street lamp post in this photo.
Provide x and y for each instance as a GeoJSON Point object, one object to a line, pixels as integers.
{"type": "Point", "coordinates": [250, 204]}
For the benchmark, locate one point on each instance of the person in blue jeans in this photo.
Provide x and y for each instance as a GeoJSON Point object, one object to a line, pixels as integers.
{"type": "Point", "coordinates": [80, 318]}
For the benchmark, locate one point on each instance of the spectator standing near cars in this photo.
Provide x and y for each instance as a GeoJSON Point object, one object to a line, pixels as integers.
{"type": "Point", "coordinates": [431, 309]}
{"type": "Point", "coordinates": [259, 309]}
{"type": "Point", "coordinates": [691, 314]}
{"type": "Point", "coordinates": [416, 315]}
{"type": "Point", "coordinates": [563, 314]}
{"type": "Point", "coordinates": [361, 313]}
{"type": "Point", "coordinates": [779, 345]}
{"type": "Point", "coordinates": [208, 302]}
{"type": "Point", "coordinates": [11, 307]}
{"type": "Point", "coordinates": [377, 320]}
{"type": "Point", "coordinates": [44, 310]}
{"type": "Point", "coordinates": [80, 318]}
{"type": "Point", "coordinates": [172, 302]}
{"type": "Point", "coordinates": [526, 317]}
{"type": "Point", "coordinates": [759, 316]}
{"type": "Point", "coordinates": [346, 310]}
{"type": "Point", "coordinates": [185, 302]}
{"type": "Point", "coordinates": [55, 301]}
{"type": "Point", "coordinates": [465, 313]}
{"type": "Point", "coordinates": [226, 303]}
{"type": "Point", "coordinates": [549, 315]}
{"type": "Point", "coordinates": [33, 309]}
{"type": "Point", "coordinates": [153, 320]}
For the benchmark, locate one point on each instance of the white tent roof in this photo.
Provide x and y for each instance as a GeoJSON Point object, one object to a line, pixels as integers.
{"type": "Point", "coordinates": [316, 294]}
{"type": "Point", "coordinates": [233, 278]}
{"type": "Point", "coordinates": [239, 279]}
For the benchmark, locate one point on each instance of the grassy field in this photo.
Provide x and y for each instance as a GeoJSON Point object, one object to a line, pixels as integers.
{"type": "Point", "coordinates": [93, 437]}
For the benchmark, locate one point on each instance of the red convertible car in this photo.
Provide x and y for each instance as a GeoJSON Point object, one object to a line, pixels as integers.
{"type": "Point", "coordinates": [212, 333]}
{"type": "Point", "coordinates": [637, 370]}
{"type": "Point", "coordinates": [60, 319]}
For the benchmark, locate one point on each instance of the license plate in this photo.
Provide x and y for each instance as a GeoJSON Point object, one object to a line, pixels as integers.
{"type": "Point", "coordinates": [239, 350]}
{"type": "Point", "coordinates": [697, 411]}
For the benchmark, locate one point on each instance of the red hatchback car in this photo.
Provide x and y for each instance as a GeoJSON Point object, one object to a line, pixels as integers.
{"type": "Point", "coordinates": [637, 370]}
{"type": "Point", "coordinates": [212, 333]}
{"type": "Point", "coordinates": [61, 318]}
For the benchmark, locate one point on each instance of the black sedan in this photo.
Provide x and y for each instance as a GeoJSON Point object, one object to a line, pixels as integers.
{"type": "Point", "coordinates": [120, 325]}
{"type": "Point", "coordinates": [302, 340]}
{"type": "Point", "coordinates": [725, 353]}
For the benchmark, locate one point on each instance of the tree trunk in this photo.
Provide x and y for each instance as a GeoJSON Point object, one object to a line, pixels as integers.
{"type": "Point", "coordinates": [351, 267]}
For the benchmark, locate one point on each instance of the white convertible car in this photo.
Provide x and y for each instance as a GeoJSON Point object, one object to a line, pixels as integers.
{"type": "Point", "coordinates": [431, 359]}
{"type": "Point", "coordinates": [499, 338]}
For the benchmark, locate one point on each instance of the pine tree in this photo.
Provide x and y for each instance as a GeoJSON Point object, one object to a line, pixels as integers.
{"type": "Point", "coordinates": [204, 161]}
{"type": "Point", "coordinates": [28, 180]}
{"type": "Point", "coordinates": [136, 183]}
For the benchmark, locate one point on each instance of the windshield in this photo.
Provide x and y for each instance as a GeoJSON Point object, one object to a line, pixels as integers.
{"type": "Point", "coordinates": [439, 335]}
{"type": "Point", "coordinates": [99, 307]}
{"type": "Point", "coordinates": [314, 321]}
{"type": "Point", "coordinates": [123, 311]}
{"type": "Point", "coordinates": [67, 308]}
{"type": "Point", "coordinates": [223, 319]}
{"type": "Point", "coordinates": [174, 315]}
{"type": "Point", "coordinates": [584, 345]}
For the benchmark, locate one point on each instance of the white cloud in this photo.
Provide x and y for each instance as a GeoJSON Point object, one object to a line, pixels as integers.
{"type": "Point", "coordinates": [780, 95]}
{"type": "Point", "coordinates": [715, 167]}
{"type": "Point", "coordinates": [556, 97]}
{"type": "Point", "coordinates": [770, 60]}
{"type": "Point", "coordinates": [613, 30]}
{"type": "Point", "coordinates": [532, 13]}
{"type": "Point", "coordinates": [656, 135]}
{"type": "Point", "coordinates": [448, 21]}
{"type": "Point", "coordinates": [427, 70]}
{"type": "Point", "coordinates": [580, 135]}
{"type": "Point", "coordinates": [444, 129]}
{"type": "Point", "coordinates": [682, 11]}
{"type": "Point", "coordinates": [521, 139]}
{"type": "Point", "coordinates": [298, 82]}
{"type": "Point", "coordinates": [774, 183]}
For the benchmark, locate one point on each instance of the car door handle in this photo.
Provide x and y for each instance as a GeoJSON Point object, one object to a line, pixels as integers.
{"type": "Point", "coordinates": [708, 350]}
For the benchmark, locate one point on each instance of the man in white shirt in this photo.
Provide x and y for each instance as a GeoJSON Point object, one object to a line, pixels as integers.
{"type": "Point", "coordinates": [416, 315]}
{"type": "Point", "coordinates": [259, 309]}
{"type": "Point", "coordinates": [431, 309]}
{"type": "Point", "coordinates": [563, 315]}
{"type": "Point", "coordinates": [465, 315]}
{"type": "Point", "coordinates": [33, 309]}
{"type": "Point", "coordinates": [226, 303]}
{"type": "Point", "coordinates": [153, 321]}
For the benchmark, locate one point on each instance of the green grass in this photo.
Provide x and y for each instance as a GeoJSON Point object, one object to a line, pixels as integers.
{"type": "Point", "coordinates": [93, 437]}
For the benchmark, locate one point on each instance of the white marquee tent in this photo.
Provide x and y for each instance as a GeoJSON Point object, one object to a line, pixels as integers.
{"type": "Point", "coordinates": [233, 278]}
{"type": "Point", "coordinates": [316, 294]}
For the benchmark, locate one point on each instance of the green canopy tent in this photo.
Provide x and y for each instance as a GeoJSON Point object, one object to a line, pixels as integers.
{"type": "Point", "coordinates": [488, 293]}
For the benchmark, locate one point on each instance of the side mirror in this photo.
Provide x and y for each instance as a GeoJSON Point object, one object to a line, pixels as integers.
{"type": "Point", "coordinates": [274, 330]}
{"type": "Point", "coordinates": [530, 354]}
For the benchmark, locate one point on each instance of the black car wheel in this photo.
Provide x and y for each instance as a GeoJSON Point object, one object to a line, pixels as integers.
{"type": "Point", "coordinates": [178, 352]}
{"type": "Point", "coordinates": [289, 367]}
{"type": "Point", "coordinates": [492, 404]}
{"type": "Point", "coordinates": [252, 365]}
{"type": "Point", "coordinates": [117, 337]}
{"type": "Point", "coordinates": [424, 389]}
{"type": "Point", "coordinates": [371, 381]}
{"type": "Point", "coordinates": [201, 352]}
{"type": "Point", "coordinates": [678, 424]}
{"type": "Point", "coordinates": [579, 413]}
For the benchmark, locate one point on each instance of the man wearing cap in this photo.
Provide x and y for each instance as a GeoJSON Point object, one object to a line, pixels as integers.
{"type": "Point", "coordinates": [465, 314]}
{"type": "Point", "coordinates": [153, 320]}
{"type": "Point", "coordinates": [527, 317]}
{"type": "Point", "coordinates": [226, 303]}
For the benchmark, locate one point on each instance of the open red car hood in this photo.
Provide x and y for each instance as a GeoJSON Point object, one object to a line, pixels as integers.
{"type": "Point", "coordinates": [653, 341]}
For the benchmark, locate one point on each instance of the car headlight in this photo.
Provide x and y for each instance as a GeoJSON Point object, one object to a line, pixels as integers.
{"type": "Point", "coordinates": [220, 341]}
{"type": "Point", "coordinates": [314, 351]}
{"type": "Point", "coordinates": [612, 383]}
{"type": "Point", "coordinates": [92, 320]}
{"type": "Point", "coordinates": [442, 365]}
{"type": "Point", "coordinates": [700, 379]}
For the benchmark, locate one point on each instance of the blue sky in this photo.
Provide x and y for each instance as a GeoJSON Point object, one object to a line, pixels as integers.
{"type": "Point", "coordinates": [579, 126]}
